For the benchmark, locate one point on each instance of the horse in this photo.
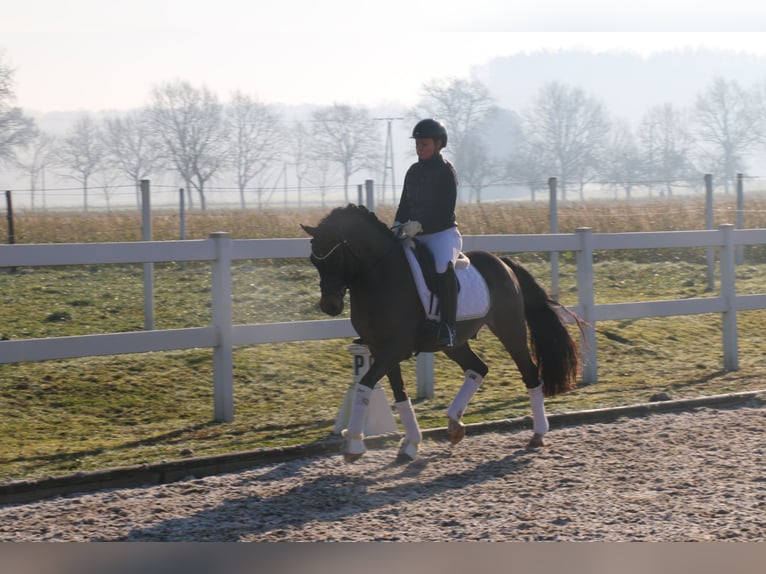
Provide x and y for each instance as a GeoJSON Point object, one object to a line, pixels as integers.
{"type": "Point", "coordinates": [354, 251]}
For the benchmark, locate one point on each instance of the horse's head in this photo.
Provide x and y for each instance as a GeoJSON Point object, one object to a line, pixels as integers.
{"type": "Point", "coordinates": [328, 254]}
{"type": "Point", "coordinates": [341, 244]}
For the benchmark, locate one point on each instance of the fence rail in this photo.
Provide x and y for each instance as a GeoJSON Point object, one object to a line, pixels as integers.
{"type": "Point", "coordinates": [222, 336]}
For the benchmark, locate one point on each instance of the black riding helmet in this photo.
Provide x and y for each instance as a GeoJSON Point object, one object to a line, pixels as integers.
{"type": "Point", "coordinates": [431, 129]}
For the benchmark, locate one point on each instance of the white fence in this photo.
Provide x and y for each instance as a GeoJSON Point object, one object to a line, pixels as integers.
{"type": "Point", "coordinates": [222, 335]}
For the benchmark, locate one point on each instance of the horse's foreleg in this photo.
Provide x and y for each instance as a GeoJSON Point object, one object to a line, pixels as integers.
{"type": "Point", "coordinates": [354, 432]}
{"type": "Point", "coordinates": [455, 426]}
{"type": "Point", "coordinates": [410, 444]}
{"type": "Point", "coordinates": [539, 420]}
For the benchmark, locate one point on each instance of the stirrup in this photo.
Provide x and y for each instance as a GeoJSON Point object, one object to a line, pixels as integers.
{"type": "Point", "coordinates": [446, 335]}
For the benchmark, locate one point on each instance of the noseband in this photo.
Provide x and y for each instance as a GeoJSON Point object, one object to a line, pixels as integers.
{"type": "Point", "coordinates": [343, 283]}
{"type": "Point", "coordinates": [331, 286]}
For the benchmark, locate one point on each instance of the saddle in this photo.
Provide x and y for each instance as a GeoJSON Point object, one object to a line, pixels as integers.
{"type": "Point", "coordinates": [473, 294]}
{"type": "Point", "coordinates": [425, 259]}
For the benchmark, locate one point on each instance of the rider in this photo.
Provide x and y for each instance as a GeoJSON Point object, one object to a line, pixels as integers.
{"type": "Point", "coordinates": [428, 199]}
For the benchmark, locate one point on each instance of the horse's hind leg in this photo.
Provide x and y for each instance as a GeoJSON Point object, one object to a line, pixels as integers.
{"type": "Point", "coordinates": [514, 340]}
{"type": "Point", "coordinates": [474, 370]}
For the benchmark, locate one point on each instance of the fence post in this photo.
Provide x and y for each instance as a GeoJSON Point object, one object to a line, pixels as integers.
{"type": "Point", "coordinates": [740, 249]}
{"type": "Point", "coordinates": [146, 235]}
{"type": "Point", "coordinates": [729, 293]}
{"type": "Point", "coordinates": [181, 214]}
{"type": "Point", "coordinates": [710, 251]}
{"type": "Point", "coordinates": [554, 228]}
{"type": "Point", "coordinates": [424, 369]}
{"type": "Point", "coordinates": [9, 215]}
{"type": "Point", "coordinates": [370, 194]}
{"type": "Point", "coordinates": [223, 353]}
{"type": "Point", "coordinates": [587, 302]}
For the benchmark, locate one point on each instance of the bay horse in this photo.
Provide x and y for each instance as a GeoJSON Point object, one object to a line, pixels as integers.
{"type": "Point", "coordinates": [353, 250]}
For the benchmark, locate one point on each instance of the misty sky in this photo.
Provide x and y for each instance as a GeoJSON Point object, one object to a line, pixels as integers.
{"type": "Point", "coordinates": [98, 54]}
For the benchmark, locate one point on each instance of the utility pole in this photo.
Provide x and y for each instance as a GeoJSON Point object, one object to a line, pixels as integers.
{"type": "Point", "coordinates": [388, 161]}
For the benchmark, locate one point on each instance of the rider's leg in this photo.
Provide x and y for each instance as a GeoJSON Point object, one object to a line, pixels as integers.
{"type": "Point", "coordinates": [448, 303]}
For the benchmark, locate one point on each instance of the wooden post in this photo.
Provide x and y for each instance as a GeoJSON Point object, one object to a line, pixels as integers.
{"type": "Point", "coordinates": [370, 194]}
{"type": "Point", "coordinates": [740, 249]}
{"type": "Point", "coordinates": [729, 293]}
{"type": "Point", "coordinates": [146, 235]}
{"type": "Point", "coordinates": [587, 304]}
{"type": "Point", "coordinates": [223, 353]}
{"type": "Point", "coordinates": [182, 214]}
{"type": "Point", "coordinates": [9, 215]}
{"type": "Point", "coordinates": [709, 225]}
{"type": "Point", "coordinates": [424, 369]}
{"type": "Point", "coordinates": [554, 228]}
{"type": "Point", "coordinates": [182, 218]}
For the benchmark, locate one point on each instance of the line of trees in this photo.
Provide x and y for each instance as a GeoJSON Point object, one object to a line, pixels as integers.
{"type": "Point", "coordinates": [564, 132]}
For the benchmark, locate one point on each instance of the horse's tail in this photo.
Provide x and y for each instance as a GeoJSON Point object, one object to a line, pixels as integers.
{"type": "Point", "coordinates": [556, 353]}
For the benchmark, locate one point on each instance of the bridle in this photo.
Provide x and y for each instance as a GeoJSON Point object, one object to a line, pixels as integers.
{"type": "Point", "coordinates": [332, 286]}
{"type": "Point", "coordinates": [323, 257]}
{"type": "Point", "coordinates": [342, 247]}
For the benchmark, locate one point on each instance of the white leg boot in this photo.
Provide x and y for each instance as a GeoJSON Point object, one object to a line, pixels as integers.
{"type": "Point", "coordinates": [408, 447]}
{"type": "Point", "coordinates": [354, 432]}
{"type": "Point", "coordinates": [455, 427]}
{"type": "Point", "coordinates": [539, 420]}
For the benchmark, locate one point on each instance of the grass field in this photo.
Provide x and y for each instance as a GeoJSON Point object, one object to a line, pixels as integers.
{"type": "Point", "coordinates": [66, 416]}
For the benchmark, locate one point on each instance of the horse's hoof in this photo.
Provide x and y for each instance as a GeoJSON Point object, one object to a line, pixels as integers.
{"type": "Point", "coordinates": [350, 457]}
{"type": "Point", "coordinates": [456, 431]}
{"type": "Point", "coordinates": [536, 441]}
{"type": "Point", "coordinates": [408, 451]}
{"type": "Point", "coordinates": [403, 458]}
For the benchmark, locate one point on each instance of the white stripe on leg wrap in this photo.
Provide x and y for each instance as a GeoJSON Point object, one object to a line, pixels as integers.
{"type": "Point", "coordinates": [464, 395]}
{"type": "Point", "coordinates": [359, 405]}
{"type": "Point", "coordinates": [409, 422]}
{"type": "Point", "coordinates": [536, 401]}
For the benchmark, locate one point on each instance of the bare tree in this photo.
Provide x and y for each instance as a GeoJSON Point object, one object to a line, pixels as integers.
{"type": "Point", "coordinates": [462, 105]}
{"type": "Point", "coordinates": [569, 128]}
{"type": "Point", "coordinates": [347, 136]}
{"type": "Point", "coordinates": [257, 137]}
{"type": "Point", "coordinates": [479, 169]}
{"type": "Point", "coordinates": [39, 154]}
{"type": "Point", "coordinates": [526, 166]}
{"type": "Point", "coordinates": [130, 148]}
{"type": "Point", "coordinates": [623, 165]}
{"type": "Point", "coordinates": [105, 179]}
{"type": "Point", "coordinates": [16, 129]}
{"type": "Point", "coordinates": [82, 152]}
{"type": "Point", "coordinates": [320, 173]}
{"type": "Point", "coordinates": [727, 120]}
{"type": "Point", "coordinates": [188, 123]}
{"type": "Point", "coordinates": [298, 144]}
{"type": "Point", "coordinates": [666, 144]}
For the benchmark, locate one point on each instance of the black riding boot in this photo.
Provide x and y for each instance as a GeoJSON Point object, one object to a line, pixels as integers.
{"type": "Point", "coordinates": [448, 304]}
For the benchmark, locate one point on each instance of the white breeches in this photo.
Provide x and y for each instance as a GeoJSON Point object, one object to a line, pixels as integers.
{"type": "Point", "coordinates": [445, 245]}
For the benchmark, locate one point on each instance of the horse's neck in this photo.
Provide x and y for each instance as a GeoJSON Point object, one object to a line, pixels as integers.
{"type": "Point", "coordinates": [372, 253]}
{"type": "Point", "coordinates": [372, 247]}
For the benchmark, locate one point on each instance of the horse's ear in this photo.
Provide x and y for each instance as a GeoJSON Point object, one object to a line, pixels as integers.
{"type": "Point", "coordinates": [308, 229]}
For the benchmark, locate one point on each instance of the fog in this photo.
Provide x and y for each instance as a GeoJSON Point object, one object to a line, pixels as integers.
{"type": "Point", "coordinates": [628, 84]}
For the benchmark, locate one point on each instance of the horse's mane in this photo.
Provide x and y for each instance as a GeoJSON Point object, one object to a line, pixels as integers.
{"type": "Point", "coordinates": [352, 212]}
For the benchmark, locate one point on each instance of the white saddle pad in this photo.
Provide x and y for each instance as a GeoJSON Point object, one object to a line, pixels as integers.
{"type": "Point", "coordinates": [472, 299]}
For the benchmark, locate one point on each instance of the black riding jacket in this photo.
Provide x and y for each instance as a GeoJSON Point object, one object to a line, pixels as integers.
{"type": "Point", "coordinates": [429, 195]}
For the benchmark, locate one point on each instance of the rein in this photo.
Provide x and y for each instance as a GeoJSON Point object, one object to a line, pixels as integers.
{"type": "Point", "coordinates": [344, 243]}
